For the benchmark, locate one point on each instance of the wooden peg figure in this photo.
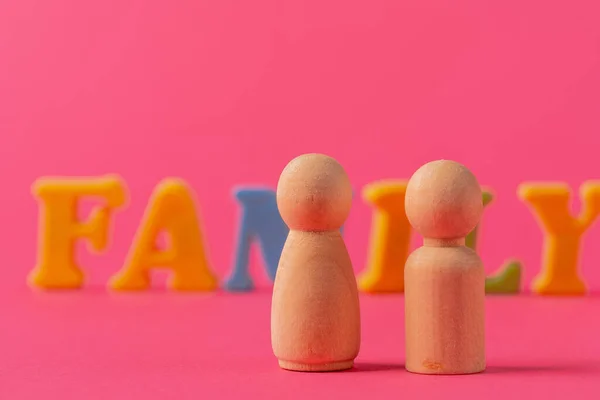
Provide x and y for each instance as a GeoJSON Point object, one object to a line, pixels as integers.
{"type": "Point", "coordinates": [444, 279]}
{"type": "Point", "coordinates": [315, 316]}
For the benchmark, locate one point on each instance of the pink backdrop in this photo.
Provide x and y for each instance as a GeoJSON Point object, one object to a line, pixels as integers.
{"type": "Point", "coordinates": [226, 92]}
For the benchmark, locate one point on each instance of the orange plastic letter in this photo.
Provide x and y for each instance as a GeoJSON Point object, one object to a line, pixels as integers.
{"type": "Point", "coordinates": [59, 227]}
{"type": "Point", "coordinates": [172, 210]}
{"type": "Point", "coordinates": [563, 233]}
{"type": "Point", "coordinates": [390, 238]}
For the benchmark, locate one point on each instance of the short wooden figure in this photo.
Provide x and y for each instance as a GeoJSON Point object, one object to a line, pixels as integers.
{"type": "Point", "coordinates": [444, 279]}
{"type": "Point", "coordinates": [315, 315]}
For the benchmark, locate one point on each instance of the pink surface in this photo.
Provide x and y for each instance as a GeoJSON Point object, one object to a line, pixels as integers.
{"type": "Point", "coordinates": [226, 92]}
{"type": "Point", "coordinates": [162, 346]}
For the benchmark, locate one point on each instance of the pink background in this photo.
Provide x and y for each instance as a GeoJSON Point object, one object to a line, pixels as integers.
{"type": "Point", "coordinates": [227, 92]}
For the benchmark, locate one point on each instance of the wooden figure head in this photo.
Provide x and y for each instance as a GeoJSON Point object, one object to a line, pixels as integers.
{"type": "Point", "coordinates": [314, 193]}
{"type": "Point", "coordinates": [443, 200]}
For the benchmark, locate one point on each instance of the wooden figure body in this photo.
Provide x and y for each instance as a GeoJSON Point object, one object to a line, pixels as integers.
{"type": "Point", "coordinates": [315, 315]}
{"type": "Point", "coordinates": [444, 279]}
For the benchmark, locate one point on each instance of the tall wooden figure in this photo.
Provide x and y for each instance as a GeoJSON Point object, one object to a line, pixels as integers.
{"type": "Point", "coordinates": [315, 315]}
{"type": "Point", "coordinates": [444, 279]}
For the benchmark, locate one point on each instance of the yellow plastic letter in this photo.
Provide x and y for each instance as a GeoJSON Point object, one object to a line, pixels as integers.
{"type": "Point", "coordinates": [171, 210]}
{"type": "Point", "coordinates": [390, 238]}
{"type": "Point", "coordinates": [550, 203]}
{"type": "Point", "coordinates": [60, 228]}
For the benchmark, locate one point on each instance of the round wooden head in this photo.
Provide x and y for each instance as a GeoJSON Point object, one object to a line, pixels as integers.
{"type": "Point", "coordinates": [443, 200]}
{"type": "Point", "coordinates": [314, 193]}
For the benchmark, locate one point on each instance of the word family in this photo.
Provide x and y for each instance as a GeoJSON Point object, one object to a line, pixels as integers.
{"type": "Point", "coordinates": [172, 210]}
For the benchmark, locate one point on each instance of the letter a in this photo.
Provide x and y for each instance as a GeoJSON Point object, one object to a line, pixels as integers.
{"type": "Point", "coordinates": [59, 227]}
{"type": "Point", "coordinates": [563, 233]}
{"type": "Point", "coordinates": [172, 210]}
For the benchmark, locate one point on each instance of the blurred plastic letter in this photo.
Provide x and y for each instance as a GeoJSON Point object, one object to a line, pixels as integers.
{"type": "Point", "coordinates": [563, 233]}
{"type": "Point", "coordinates": [172, 210]}
{"type": "Point", "coordinates": [60, 228]}
{"type": "Point", "coordinates": [260, 220]}
{"type": "Point", "coordinates": [390, 238]}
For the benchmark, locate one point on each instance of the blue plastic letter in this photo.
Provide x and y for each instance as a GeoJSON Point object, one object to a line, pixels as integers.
{"type": "Point", "coordinates": [260, 220]}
